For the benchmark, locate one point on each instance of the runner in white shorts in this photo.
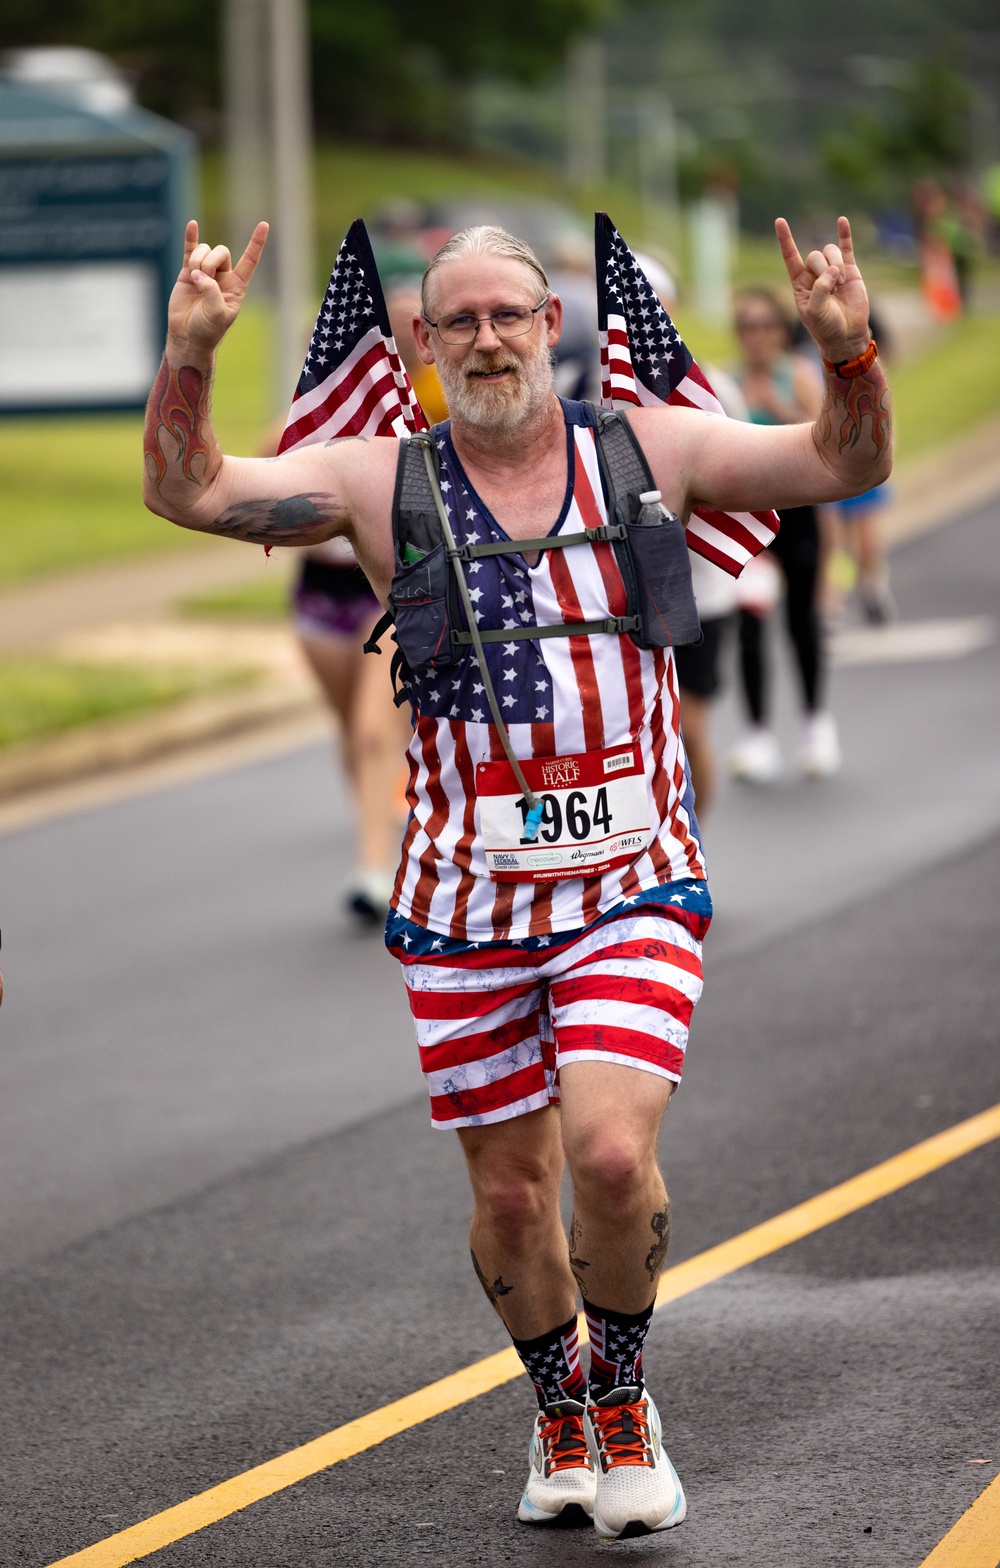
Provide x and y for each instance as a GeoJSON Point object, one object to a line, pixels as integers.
{"type": "Point", "coordinates": [551, 899]}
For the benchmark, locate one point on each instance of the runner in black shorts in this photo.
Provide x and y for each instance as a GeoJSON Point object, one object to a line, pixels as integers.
{"type": "Point", "coordinates": [335, 610]}
{"type": "Point", "coordinates": [782, 388]}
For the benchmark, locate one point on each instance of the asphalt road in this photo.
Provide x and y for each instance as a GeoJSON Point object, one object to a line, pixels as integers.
{"type": "Point", "coordinates": [227, 1228]}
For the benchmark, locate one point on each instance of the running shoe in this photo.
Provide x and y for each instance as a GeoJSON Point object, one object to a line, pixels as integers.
{"type": "Point", "coordinates": [367, 896]}
{"type": "Point", "coordinates": [877, 601]}
{"type": "Point", "coordinates": [637, 1487]}
{"type": "Point", "coordinates": [561, 1478]}
{"type": "Point", "coordinates": [756, 759]}
{"type": "Point", "coordinates": [819, 746]}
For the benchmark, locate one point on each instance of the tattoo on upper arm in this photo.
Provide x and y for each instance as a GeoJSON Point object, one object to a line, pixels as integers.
{"type": "Point", "coordinates": [338, 440]}
{"type": "Point", "coordinates": [277, 520]}
{"type": "Point", "coordinates": [850, 402]}
{"type": "Point", "coordinates": [179, 407]}
{"type": "Point", "coordinates": [657, 1254]}
{"type": "Point", "coordinates": [494, 1291]}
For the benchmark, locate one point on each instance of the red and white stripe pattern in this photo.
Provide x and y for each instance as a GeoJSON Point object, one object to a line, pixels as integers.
{"type": "Point", "coordinates": [587, 694]}
{"type": "Point", "coordinates": [353, 382]}
{"type": "Point", "coordinates": [645, 363]}
{"type": "Point", "coordinates": [494, 1028]}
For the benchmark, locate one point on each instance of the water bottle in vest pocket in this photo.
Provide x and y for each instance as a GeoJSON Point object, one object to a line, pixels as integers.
{"type": "Point", "coordinates": [424, 617]}
{"type": "Point", "coordinates": [662, 572]}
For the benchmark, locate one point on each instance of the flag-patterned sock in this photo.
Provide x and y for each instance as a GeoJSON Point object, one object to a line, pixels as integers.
{"type": "Point", "coordinates": [616, 1341]}
{"type": "Point", "coordinates": [552, 1361]}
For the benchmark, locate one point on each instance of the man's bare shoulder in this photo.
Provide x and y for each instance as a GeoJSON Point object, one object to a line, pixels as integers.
{"type": "Point", "coordinates": [670, 438]}
{"type": "Point", "coordinates": [664, 426]}
{"type": "Point", "coordinates": [361, 469]}
{"type": "Point", "coordinates": [359, 457]}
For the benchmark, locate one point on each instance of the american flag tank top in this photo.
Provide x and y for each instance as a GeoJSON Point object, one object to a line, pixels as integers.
{"type": "Point", "coordinates": [560, 696]}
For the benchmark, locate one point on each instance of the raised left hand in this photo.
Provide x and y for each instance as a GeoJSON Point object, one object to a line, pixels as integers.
{"type": "Point", "coordinates": [830, 293]}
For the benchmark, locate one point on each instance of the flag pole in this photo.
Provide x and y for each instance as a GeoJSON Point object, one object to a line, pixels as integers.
{"type": "Point", "coordinates": [292, 196]}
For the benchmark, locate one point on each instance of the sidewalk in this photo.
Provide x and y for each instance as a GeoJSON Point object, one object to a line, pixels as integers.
{"type": "Point", "coordinates": [128, 611]}
{"type": "Point", "coordinates": [33, 615]}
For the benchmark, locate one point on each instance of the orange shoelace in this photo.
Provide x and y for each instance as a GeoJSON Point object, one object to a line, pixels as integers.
{"type": "Point", "coordinates": [564, 1443]}
{"type": "Point", "coordinates": [623, 1434]}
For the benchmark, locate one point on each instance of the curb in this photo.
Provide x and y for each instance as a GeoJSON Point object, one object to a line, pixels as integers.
{"type": "Point", "coordinates": [111, 745]}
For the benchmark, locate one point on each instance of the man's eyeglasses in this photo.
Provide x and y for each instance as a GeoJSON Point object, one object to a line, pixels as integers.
{"type": "Point", "coordinates": [511, 321]}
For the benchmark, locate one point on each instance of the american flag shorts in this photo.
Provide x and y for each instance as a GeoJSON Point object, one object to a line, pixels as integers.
{"type": "Point", "coordinates": [495, 1022]}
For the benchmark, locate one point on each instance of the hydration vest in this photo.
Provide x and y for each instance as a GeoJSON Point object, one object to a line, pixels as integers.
{"type": "Point", "coordinates": [431, 626]}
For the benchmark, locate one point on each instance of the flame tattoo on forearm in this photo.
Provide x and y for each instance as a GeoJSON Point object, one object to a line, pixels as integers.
{"type": "Point", "coordinates": [851, 402]}
{"type": "Point", "coordinates": [179, 407]}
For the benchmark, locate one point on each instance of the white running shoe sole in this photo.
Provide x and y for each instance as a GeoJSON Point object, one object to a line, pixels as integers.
{"type": "Point", "coordinates": [565, 1496]}
{"type": "Point", "coordinates": [623, 1486]}
{"type": "Point", "coordinates": [635, 1527]}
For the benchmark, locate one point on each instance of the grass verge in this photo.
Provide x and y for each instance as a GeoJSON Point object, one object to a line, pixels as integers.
{"type": "Point", "coordinates": [70, 487]}
{"type": "Point", "coordinates": [41, 697]}
{"type": "Point", "coordinates": [950, 390]}
{"type": "Point", "coordinates": [264, 600]}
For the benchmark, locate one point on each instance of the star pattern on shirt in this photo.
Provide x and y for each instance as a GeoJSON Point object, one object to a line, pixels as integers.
{"type": "Point", "coordinates": [500, 592]}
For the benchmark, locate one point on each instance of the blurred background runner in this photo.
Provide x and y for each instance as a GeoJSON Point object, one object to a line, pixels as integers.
{"type": "Point", "coordinates": [335, 610]}
{"type": "Point", "coordinates": [781, 388]}
{"type": "Point", "coordinates": [857, 559]}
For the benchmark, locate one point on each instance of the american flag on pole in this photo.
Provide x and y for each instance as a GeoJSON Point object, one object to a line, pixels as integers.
{"type": "Point", "coordinates": [353, 382]}
{"type": "Point", "coordinates": [644, 361]}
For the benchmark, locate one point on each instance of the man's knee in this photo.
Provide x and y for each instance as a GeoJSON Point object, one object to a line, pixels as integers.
{"type": "Point", "coordinates": [611, 1165]}
{"type": "Point", "coordinates": [514, 1188]}
{"type": "Point", "coordinates": [513, 1203]}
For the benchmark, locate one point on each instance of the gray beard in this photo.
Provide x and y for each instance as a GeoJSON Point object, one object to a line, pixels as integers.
{"type": "Point", "coordinates": [501, 408]}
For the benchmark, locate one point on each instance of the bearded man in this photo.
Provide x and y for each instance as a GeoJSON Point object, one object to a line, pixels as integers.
{"type": "Point", "coordinates": [551, 900]}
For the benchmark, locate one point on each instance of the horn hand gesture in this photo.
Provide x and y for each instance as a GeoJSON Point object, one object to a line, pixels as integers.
{"type": "Point", "coordinates": [829, 293]}
{"type": "Point", "coordinates": [207, 296]}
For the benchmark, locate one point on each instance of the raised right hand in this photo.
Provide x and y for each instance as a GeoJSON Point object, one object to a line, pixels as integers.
{"type": "Point", "coordinates": [207, 296]}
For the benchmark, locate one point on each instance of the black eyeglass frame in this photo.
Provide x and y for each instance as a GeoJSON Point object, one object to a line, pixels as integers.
{"type": "Point", "coordinates": [534, 309]}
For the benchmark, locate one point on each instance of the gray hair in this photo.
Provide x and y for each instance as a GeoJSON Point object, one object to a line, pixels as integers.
{"type": "Point", "coordinates": [485, 239]}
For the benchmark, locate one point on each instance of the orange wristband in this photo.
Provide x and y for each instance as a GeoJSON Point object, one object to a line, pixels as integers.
{"type": "Point", "coordinates": [854, 367]}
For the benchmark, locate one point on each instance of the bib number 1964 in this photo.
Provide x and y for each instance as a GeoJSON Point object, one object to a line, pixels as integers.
{"type": "Point", "coordinates": [578, 815]}
{"type": "Point", "coordinates": [595, 815]}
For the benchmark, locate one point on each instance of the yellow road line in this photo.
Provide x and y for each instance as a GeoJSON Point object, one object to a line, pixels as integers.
{"type": "Point", "coordinates": [186, 1518]}
{"type": "Point", "coordinates": [828, 1206]}
{"type": "Point", "coordinates": [974, 1542]}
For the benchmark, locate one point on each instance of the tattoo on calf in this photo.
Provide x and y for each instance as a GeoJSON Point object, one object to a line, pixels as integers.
{"type": "Point", "coordinates": [279, 520]}
{"type": "Point", "coordinates": [494, 1291]}
{"type": "Point", "coordinates": [576, 1263]}
{"type": "Point", "coordinates": [178, 406]}
{"type": "Point", "coordinates": [657, 1254]}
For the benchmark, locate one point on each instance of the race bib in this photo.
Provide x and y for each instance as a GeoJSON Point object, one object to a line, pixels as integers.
{"type": "Point", "coordinates": [595, 815]}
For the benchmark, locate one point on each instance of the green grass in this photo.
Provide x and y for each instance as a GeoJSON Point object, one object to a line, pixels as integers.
{"type": "Point", "coordinates": [264, 600]}
{"type": "Point", "coordinates": [950, 390]}
{"type": "Point", "coordinates": [40, 697]}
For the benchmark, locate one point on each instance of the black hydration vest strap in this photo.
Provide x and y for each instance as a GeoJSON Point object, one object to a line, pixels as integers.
{"type": "Point", "coordinates": [472, 552]}
{"type": "Point", "coordinates": [378, 631]}
{"type": "Point", "coordinates": [623, 464]}
{"type": "Point", "coordinates": [616, 624]}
